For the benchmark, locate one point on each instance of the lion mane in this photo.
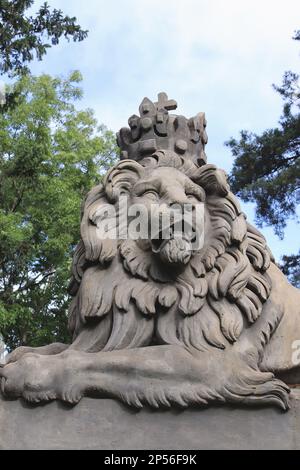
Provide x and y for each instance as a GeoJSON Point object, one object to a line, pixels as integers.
{"type": "Point", "coordinates": [136, 302]}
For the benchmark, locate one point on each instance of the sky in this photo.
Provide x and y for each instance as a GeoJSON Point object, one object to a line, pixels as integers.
{"type": "Point", "coordinates": [216, 56]}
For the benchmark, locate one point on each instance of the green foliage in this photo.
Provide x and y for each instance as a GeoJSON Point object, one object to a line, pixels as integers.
{"type": "Point", "coordinates": [266, 168]}
{"type": "Point", "coordinates": [51, 154]}
{"type": "Point", "coordinates": [24, 37]}
{"type": "Point", "coordinates": [290, 267]}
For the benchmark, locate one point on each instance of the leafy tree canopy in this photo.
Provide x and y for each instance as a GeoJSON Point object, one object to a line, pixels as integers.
{"type": "Point", "coordinates": [266, 168]}
{"type": "Point", "coordinates": [22, 37]}
{"type": "Point", "coordinates": [51, 154]}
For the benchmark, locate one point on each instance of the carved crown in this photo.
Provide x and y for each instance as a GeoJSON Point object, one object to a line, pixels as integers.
{"type": "Point", "coordinates": [156, 129]}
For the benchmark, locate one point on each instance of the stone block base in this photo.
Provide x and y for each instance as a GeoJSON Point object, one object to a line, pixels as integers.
{"type": "Point", "coordinates": [109, 425]}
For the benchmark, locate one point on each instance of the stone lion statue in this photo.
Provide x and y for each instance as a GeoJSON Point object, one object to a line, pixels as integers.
{"type": "Point", "coordinates": [162, 322]}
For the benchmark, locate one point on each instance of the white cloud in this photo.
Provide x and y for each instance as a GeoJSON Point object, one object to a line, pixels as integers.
{"type": "Point", "coordinates": [198, 50]}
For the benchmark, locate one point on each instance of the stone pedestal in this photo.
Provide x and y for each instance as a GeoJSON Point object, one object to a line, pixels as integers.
{"type": "Point", "coordinates": [109, 425]}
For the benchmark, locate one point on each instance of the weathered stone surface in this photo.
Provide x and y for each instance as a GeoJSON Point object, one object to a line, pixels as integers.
{"type": "Point", "coordinates": [107, 424]}
{"type": "Point", "coordinates": [168, 314]}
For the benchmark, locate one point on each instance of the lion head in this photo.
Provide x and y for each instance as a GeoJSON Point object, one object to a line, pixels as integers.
{"type": "Point", "coordinates": [168, 287]}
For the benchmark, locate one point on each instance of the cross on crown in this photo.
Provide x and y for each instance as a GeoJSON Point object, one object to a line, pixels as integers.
{"type": "Point", "coordinates": [164, 102]}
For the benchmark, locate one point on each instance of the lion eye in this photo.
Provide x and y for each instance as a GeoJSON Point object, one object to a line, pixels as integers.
{"type": "Point", "coordinates": [151, 194]}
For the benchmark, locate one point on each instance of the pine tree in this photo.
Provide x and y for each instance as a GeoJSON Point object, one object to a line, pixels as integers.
{"type": "Point", "coordinates": [22, 37]}
{"type": "Point", "coordinates": [266, 168]}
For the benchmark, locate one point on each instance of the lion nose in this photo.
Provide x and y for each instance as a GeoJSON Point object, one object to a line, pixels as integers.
{"type": "Point", "coordinates": [175, 197]}
{"type": "Point", "coordinates": [178, 200]}
{"type": "Point", "coordinates": [182, 204]}
{"type": "Point", "coordinates": [177, 203]}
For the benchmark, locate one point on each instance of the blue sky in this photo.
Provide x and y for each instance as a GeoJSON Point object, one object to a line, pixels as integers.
{"type": "Point", "coordinates": [216, 56]}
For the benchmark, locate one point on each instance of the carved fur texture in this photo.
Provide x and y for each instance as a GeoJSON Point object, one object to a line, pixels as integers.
{"type": "Point", "coordinates": [165, 323]}
{"type": "Point", "coordinates": [206, 303]}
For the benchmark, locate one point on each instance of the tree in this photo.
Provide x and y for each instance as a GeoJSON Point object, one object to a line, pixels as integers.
{"type": "Point", "coordinates": [266, 168]}
{"type": "Point", "coordinates": [24, 37]}
{"type": "Point", "coordinates": [51, 154]}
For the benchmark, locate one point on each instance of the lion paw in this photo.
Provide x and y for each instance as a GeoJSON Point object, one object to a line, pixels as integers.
{"type": "Point", "coordinates": [39, 379]}
{"type": "Point", "coordinates": [257, 388]}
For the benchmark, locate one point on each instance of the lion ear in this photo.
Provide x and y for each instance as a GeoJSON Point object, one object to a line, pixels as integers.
{"type": "Point", "coordinates": [121, 178]}
{"type": "Point", "coordinates": [212, 179]}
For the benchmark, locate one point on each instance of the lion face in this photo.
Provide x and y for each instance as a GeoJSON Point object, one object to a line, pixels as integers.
{"type": "Point", "coordinates": [173, 206]}
{"type": "Point", "coordinates": [186, 210]}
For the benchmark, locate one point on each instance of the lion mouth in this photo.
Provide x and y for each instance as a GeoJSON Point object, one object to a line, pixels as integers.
{"type": "Point", "coordinates": [159, 242]}
{"type": "Point", "coordinates": [174, 247]}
